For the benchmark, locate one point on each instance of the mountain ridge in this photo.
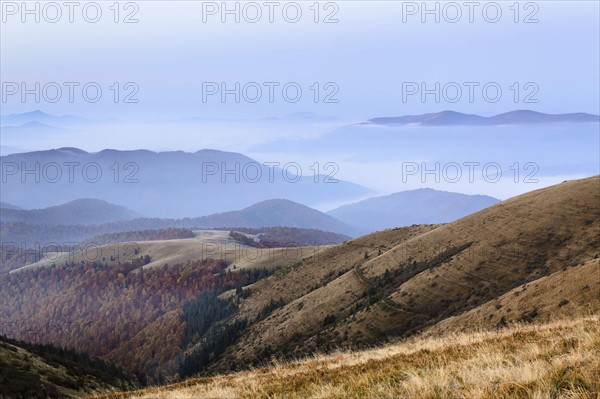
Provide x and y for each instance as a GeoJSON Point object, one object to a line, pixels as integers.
{"type": "Point", "coordinates": [200, 183]}
{"type": "Point", "coordinates": [84, 211]}
{"type": "Point", "coordinates": [5, 205]}
{"type": "Point", "coordinates": [275, 212]}
{"type": "Point", "coordinates": [404, 208]}
{"type": "Point", "coordinates": [454, 118]}
{"type": "Point", "coordinates": [386, 285]}
{"type": "Point", "coordinates": [396, 282]}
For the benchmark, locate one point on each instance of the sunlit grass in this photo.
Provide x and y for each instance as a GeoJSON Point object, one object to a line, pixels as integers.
{"type": "Point", "coordinates": [556, 360]}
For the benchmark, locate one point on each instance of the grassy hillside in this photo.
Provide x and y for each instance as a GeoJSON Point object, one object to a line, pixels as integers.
{"type": "Point", "coordinates": [532, 258]}
{"type": "Point", "coordinates": [205, 244]}
{"type": "Point", "coordinates": [274, 237]}
{"type": "Point", "coordinates": [36, 371]}
{"type": "Point", "coordinates": [201, 244]}
{"type": "Point", "coordinates": [398, 282]}
{"type": "Point", "coordinates": [554, 360]}
{"type": "Point", "coordinates": [571, 292]}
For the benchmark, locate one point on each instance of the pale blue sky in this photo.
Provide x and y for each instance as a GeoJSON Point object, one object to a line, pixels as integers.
{"type": "Point", "coordinates": [368, 54]}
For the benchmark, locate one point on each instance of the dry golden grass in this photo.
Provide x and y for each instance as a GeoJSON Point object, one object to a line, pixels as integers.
{"type": "Point", "coordinates": [515, 243]}
{"type": "Point", "coordinates": [215, 244]}
{"type": "Point", "coordinates": [572, 292]}
{"type": "Point", "coordinates": [560, 359]}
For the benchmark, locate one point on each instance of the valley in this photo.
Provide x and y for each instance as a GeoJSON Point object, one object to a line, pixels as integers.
{"type": "Point", "coordinates": [219, 301]}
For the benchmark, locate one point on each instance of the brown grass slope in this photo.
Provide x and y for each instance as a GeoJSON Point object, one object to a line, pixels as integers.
{"type": "Point", "coordinates": [572, 292]}
{"type": "Point", "coordinates": [296, 281]}
{"type": "Point", "coordinates": [215, 244]}
{"type": "Point", "coordinates": [344, 298]}
{"type": "Point", "coordinates": [555, 360]}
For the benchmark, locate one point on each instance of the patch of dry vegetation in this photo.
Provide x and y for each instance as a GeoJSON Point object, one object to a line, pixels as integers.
{"type": "Point", "coordinates": [398, 282]}
{"type": "Point", "coordinates": [206, 244]}
{"type": "Point", "coordinates": [560, 359]}
{"type": "Point", "coordinates": [571, 292]}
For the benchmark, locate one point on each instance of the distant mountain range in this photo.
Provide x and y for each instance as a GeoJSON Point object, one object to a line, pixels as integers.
{"type": "Point", "coordinates": [453, 118]}
{"type": "Point", "coordinates": [34, 125]}
{"type": "Point", "coordinates": [82, 219]}
{"type": "Point", "coordinates": [41, 118]}
{"type": "Point", "coordinates": [4, 205]}
{"type": "Point", "coordinates": [82, 212]}
{"type": "Point", "coordinates": [529, 259]}
{"type": "Point", "coordinates": [166, 184]}
{"type": "Point", "coordinates": [422, 206]}
{"type": "Point", "coordinates": [279, 212]}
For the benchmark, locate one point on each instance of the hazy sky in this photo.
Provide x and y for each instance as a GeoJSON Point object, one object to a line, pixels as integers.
{"type": "Point", "coordinates": [360, 59]}
{"type": "Point", "coordinates": [367, 55]}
